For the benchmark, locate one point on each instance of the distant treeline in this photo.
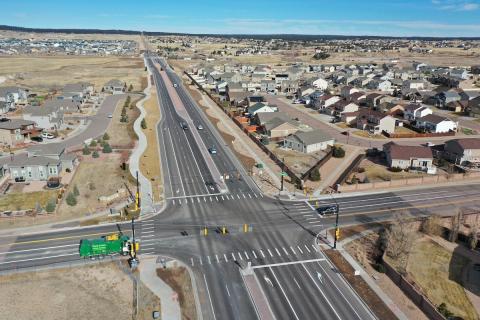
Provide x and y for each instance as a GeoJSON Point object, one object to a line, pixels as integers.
{"type": "Point", "coordinates": [288, 37]}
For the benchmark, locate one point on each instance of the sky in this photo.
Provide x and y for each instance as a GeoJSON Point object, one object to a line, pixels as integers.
{"type": "Point", "coordinates": [442, 18]}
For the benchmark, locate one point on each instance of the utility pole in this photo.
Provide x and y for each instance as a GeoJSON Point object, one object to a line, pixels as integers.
{"type": "Point", "coordinates": [133, 261]}
{"type": "Point", "coordinates": [337, 231]}
{"type": "Point", "coordinates": [137, 195]}
{"type": "Point", "coordinates": [283, 173]}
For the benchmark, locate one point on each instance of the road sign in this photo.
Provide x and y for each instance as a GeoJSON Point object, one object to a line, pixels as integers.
{"type": "Point", "coordinates": [283, 174]}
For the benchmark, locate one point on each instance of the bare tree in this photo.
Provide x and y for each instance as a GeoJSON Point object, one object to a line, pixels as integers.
{"type": "Point", "coordinates": [400, 236]}
{"type": "Point", "coordinates": [432, 226]}
{"type": "Point", "coordinates": [473, 238]}
{"type": "Point", "coordinates": [455, 222]}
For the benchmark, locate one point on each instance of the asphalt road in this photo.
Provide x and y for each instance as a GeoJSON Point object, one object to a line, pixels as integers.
{"type": "Point", "coordinates": [280, 239]}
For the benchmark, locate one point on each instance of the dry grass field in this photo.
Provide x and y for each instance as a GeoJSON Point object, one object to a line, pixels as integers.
{"type": "Point", "coordinates": [121, 133]}
{"type": "Point", "coordinates": [179, 280]}
{"type": "Point", "coordinates": [44, 74]}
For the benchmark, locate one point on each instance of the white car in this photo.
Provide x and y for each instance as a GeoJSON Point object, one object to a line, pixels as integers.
{"type": "Point", "coordinates": [200, 127]}
{"type": "Point", "coordinates": [47, 135]}
{"type": "Point", "coordinates": [110, 116]}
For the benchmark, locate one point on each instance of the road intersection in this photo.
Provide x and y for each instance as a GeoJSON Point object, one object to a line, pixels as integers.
{"type": "Point", "coordinates": [277, 237]}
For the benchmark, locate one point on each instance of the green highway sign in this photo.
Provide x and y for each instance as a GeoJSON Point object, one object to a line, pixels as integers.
{"type": "Point", "coordinates": [284, 174]}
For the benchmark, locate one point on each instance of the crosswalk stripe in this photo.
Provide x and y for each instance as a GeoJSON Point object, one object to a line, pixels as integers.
{"type": "Point", "coordinates": [240, 255]}
{"type": "Point", "coordinates": [307, 248]}
{"type": "Point", "coordinates": [250, 196]}
{"type": "Point", "coordinates": [211, 200]}
{"type": "Point", "coordinates": [246, 254]}
{"type": "Point", "coordinates": [191, 259]}
{"type": "Point", "coordinates": [204, 199]}
{"type": "Point", "coordinates": [233, 256]}
{"type": "Point", "coordinates": [256, 196]}
{"type": "Point", "coordinates": [201, 262]}
{"type": "Point", "coordinates": [222, 198]}
{"type": "Point", "coordinates": [284, 250]}
{"type": "Point", "coordinates": [315, 248]}
{"type": "Point", "coordinates": [192, 200]}
{"type": "Point", "coordinates": [300, 250]}
{"type": "Point", "coordinates": [225, 256]}
{"type": "Point", "coordinates": [261, 195]}
{"type": "Point", "coordinates": [278, 252]}
{"type": "Point", "coordinates": [254, 254]}
{"type": "Point", "coordinates": [216, 256]}
{"type": "Point", "coordinates": [209, 262]}
{"type": "Point", "coordinates": [198, 200]}
{"type": "Point", "coordinates": [262, 253]}
{"type": "Point", "coordinates": [216, 198]}
{"type": "Point", "coordinates": [173, 201]}
{"type": "Point", "coordinates": [292, 250]}
{"type": "Point", "coordinates": [244, 196]}
{"type": "Point", "coordinates": [238, 196]}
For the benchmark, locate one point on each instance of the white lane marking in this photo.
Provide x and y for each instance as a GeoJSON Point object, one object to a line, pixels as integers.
{"type": "Point", "coordinates": [223, 198]}
{"type": "Point", "coordinates": [297, 204]}
{"type": "Point", "coordinates": [209, 297]}
{"type": "Point", "coordinates": [296, 282]}
{"type": "Point", "coordinates": [228, 292]}
{"type": "Point", "coordinates": [246, 254]}
{"type": "Point", "coordinates": [254, 254]}
{"type": "Point", "coordinates": [176, 161]}
{"type": "Point", "coordinates": [271, 254]}
{"type": "Point", "coordinates": [193, 264]}
{"type": "Point", "coordinates": [308, 204]}
{"type": "Point", "coordinates": [233, 256]}
{"type": "Point", "coordinates": [195, 160]}
{"type": "Point", "coordinates": [218, 260]}
{"type": "Point", "coordinates": [292, 250]}
{"type": "Point", "coordinates": [286, 252]}
{"type": "Point", "coordinates": [279, 264]}
{"type": "Point", "coordinates": [244, 196]}
{"type": "Point", "coordinates": [38, 249]}
{"type": "Point", "coordinates": [256, 196]}
{"type": "Point", "coordinates": [278, 252]}
{"type": "Point", "coordinates": [262, 253]}
{"type": "Point", "coordinates": [307, 248]}
{"type": "Point", "coordinates": [315, 248]}
{"type": "Point", "coordinates": [150, 231]}
{"type": "Point", "coordinates": [211, 200]}
{"type": "Point", "coordinates": [225, 256]}
{"type": "Point", "coordinates": [240, 256]}
{"type": "Point", "coordinates": [319, 289]}
{"type": "Point", "coordinates": [238, 196]}
{"type": "Point", "coordinates": [250, 196]}
{"type": "Point", "coordinates": [148, 236]}
{"type": "Point", "coordinates": [299, 249]}
{"type": "Point", "coordinates": [40, 258]}
{"type": "Point", "coordinates": [173, 201]}
{"type": "Point", "coordinates": [216, 198]}
{"type": "Point", "coordinates": [201, 262]}
{"type": "Point", "coordinates": [312, 218]}
{"type": "Point", "coordinates": [284, 294]}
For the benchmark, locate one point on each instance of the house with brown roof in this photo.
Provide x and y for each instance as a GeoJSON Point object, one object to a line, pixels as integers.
{"type": "Point", "coordinates": [375, 122]}
{"type": "Point", "coordinates": [17, 131]}
{"type": "Point", "coordinates": [436, 124]}
{"type": "Point", "coordinates": [418, 158]}
{"type": "Point", "coordinates": [464, 152]}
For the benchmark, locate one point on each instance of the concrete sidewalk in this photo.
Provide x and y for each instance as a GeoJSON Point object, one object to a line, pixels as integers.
{"type": "Point", "coordinates": [170, 306]}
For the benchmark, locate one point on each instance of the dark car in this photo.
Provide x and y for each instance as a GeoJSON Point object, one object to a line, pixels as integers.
{"type": "Point", "coordinates": [36, 139]}
{"type": "Point", "coordinates": [328, 209]}
{"type": "Point", "coordinates": [19, 179]}
{"type": "Point", "coordinates": [184, 125]}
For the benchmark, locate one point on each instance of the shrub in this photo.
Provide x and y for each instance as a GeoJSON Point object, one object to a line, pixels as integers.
{"type": "Point", "coordinates": [86, 150]}
{"type": "Point", "coordinates": [71, 200]}
{"type": "Point", "coordinates": [442, 308]}
{"type": "Point", "coordinates": [91, 186]}
{"type": "Point", "coordinates": [143, 124]}
{"type": "Point", "coordinates": [106, 136]}
{"type": "Point", "coordinates": [130, 88]}
{"type": "Point", "coordinates": [380, 268]}
{"type": "Point", "coordinates": [93, 143]}
{"type": "Point", "coordinates": [76, 192]}
{"type": "Point", "coordinates": [338, 152]}
{"type": "Point", "coordinates": [95, 154]}
{"type": "Point", "coordinates": [106, 148]}
{"type": "Point", "coordinates": [124, 118]}
{"type": "Point", "coordinates": [360, 170]}
{"type": "Point", "coordinates": [315, 175]}
{"type": "Point", "coordinates": [50, 207]}
{"type": "Point", "coordinates": [396, 169]}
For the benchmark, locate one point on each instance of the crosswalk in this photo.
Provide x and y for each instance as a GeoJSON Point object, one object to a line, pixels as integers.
{"type": "Point", "coordinates": [219, 197]}
{"type": "Point", "coordinates": [260, 255]}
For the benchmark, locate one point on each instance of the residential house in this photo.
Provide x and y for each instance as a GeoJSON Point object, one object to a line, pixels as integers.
{"type": "Point", "coordinates": [309, 141]}
{"type": "Point", "coordinates": [289, 86]}
{"type": "Point", "coordinates": [260, 107]}
{"type": "Point", "coordinates": [381, 85]}
{"type": "Point", "coordinates": [415, 111]}
{"type": "Point", "coordinates": [50, 115]}
{"type": "Point", "coordinates": [359, 98]}
{"type": "Point", "coordinates": [255, 99]}
{"type": "Point", "coordinates": [17, 131]}
{"type": "Point", "coordinates": [341, 106]}
{"type": "Point", "coordinates": [409, 85]}
{"type": "Point", "coordinates": [267, 86]}
{"type": "Point", "coordinates": [443, 98]}
{"type": "Point", "coordinates": [459, 74]}
{"type": "Point", "coordinates": [418, 158]}
{"type": "Point", "coordinates": [13, 96]}
{"type": "Point", "coordinates": [464, 152]}
{"type": "Point", "coordinates": [82, 90]}
{"type": "Point", "coordinates": [41, 163]}
{"type": "Point", "coordinates": [115, 86]}
{"type": "Point", "coordinates": [375, 122]}
{"type": "Point", "coordinates": [474, 107]}
{"type": "Point", "coordinates": [277, 127]}
{"type": "Point", "coordinates": [435, 124]}
{"type": "Point", "coordinates": [325, 101]}
{"type": "Point", "coordinates": [373, 99]}
{"type": "Point", "coordinates": [320, 83]}
{"type": "Point", "coordinates": [3, 107]}
{"type": "Point", "coordinates": [347, 91]}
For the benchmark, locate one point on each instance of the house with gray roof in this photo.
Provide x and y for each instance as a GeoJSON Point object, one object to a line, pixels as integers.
{"type": "Point", "coordinates": [41, 163]}
{"type": "Point", "coordinates": [115, 86]}
{"type": "Point", "coordinates": [308, 141]}
{"type": "Point", "coordinates": [17, 131]}
{"type": "Point", "coordinates": [50, 115]}
{"type": "Point", "coordinates": [13, 96]}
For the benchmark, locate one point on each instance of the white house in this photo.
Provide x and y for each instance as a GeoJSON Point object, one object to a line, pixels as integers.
{"type": "Point", "coordinates": [413, 85]}
{"type": "Point", "coordinates": [308, 142]}
{"type": "Point", "coordinates": [436, 124]}
{"type": "Point", "coordinates": [415, 111]}
{"type": "Point", "coordinates": [347, 91]}
{"type": "Point", "coordinates": [260, 107]}
{"type": "Point", "coordinates": [320, 83]}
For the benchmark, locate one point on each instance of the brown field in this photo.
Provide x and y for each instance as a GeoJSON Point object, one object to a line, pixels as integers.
{"type": "Point", "coordinates": [97, 36]}
{"type": "Point", "coordinates": [121, 133]}
{"type": "Point", "coordinates": [179, 280]}
{"type": "Point", "coordinates": [45, 74]}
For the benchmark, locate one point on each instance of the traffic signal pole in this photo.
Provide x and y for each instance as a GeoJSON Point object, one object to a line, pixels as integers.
{"type": "Point", "coordinates": [337, 231]}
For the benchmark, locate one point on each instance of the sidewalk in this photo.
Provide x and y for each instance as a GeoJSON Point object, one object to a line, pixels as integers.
{"type": "Point", "coordinates": [170, 306]}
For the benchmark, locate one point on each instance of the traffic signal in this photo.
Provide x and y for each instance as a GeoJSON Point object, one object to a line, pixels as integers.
{"type": "Point", "coordinates": [337, 233]}
{"type": "Point", "coordinates": [205, 231]}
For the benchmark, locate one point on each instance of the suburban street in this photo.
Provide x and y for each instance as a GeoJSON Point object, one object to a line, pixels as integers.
{"type": "Point", "coordinates": [277, 237]}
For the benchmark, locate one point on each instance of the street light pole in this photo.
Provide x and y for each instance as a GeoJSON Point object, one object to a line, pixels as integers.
{"type": "Point", "coordinates": [337, 231]}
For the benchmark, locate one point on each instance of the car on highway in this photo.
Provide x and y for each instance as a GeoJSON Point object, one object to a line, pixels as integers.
{"type": "Point", "coordinates": [184, 125]}
{"type": "Point", "coordinates": [47, 135]}
{"type": "Point", "coordinates": [175, 85]}
{"type": "Point", "coordinates": [200, 127]}
{"type": "Point", "coordinates": [327, 209]}
{"type": "Point", "coordinates": [212, 150]}
{"type": "Point", "coordinates": [109, 116]}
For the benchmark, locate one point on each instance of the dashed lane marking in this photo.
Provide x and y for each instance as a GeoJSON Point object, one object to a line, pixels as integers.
{"type": "Point", "coordinates": [307, 248]}
{"type": "Point", "coordinates": [291, 248]}
{"type": "Point", "coordinates": [270, 252]}
{"type": "Point", "coordinates": [261, 252]}
{"type": "Point", "coordinates": [299, 249]}
{"type": "Point", "coordinates": [285, 250]}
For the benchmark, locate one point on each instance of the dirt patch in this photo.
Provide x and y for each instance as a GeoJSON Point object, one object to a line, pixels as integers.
{"type": "Point", "coordinates": [150, 159]}
{"type": "Point", "coordinates": [122, 133]}
{"type": "Point", "coordinates": [179, 280]}
{"type": "Point", "coordinates": [148, 302]}
{"type": "Point", "coordinates": [360, 286]}
{"type": "Point", "coordinates": [100, 291]}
